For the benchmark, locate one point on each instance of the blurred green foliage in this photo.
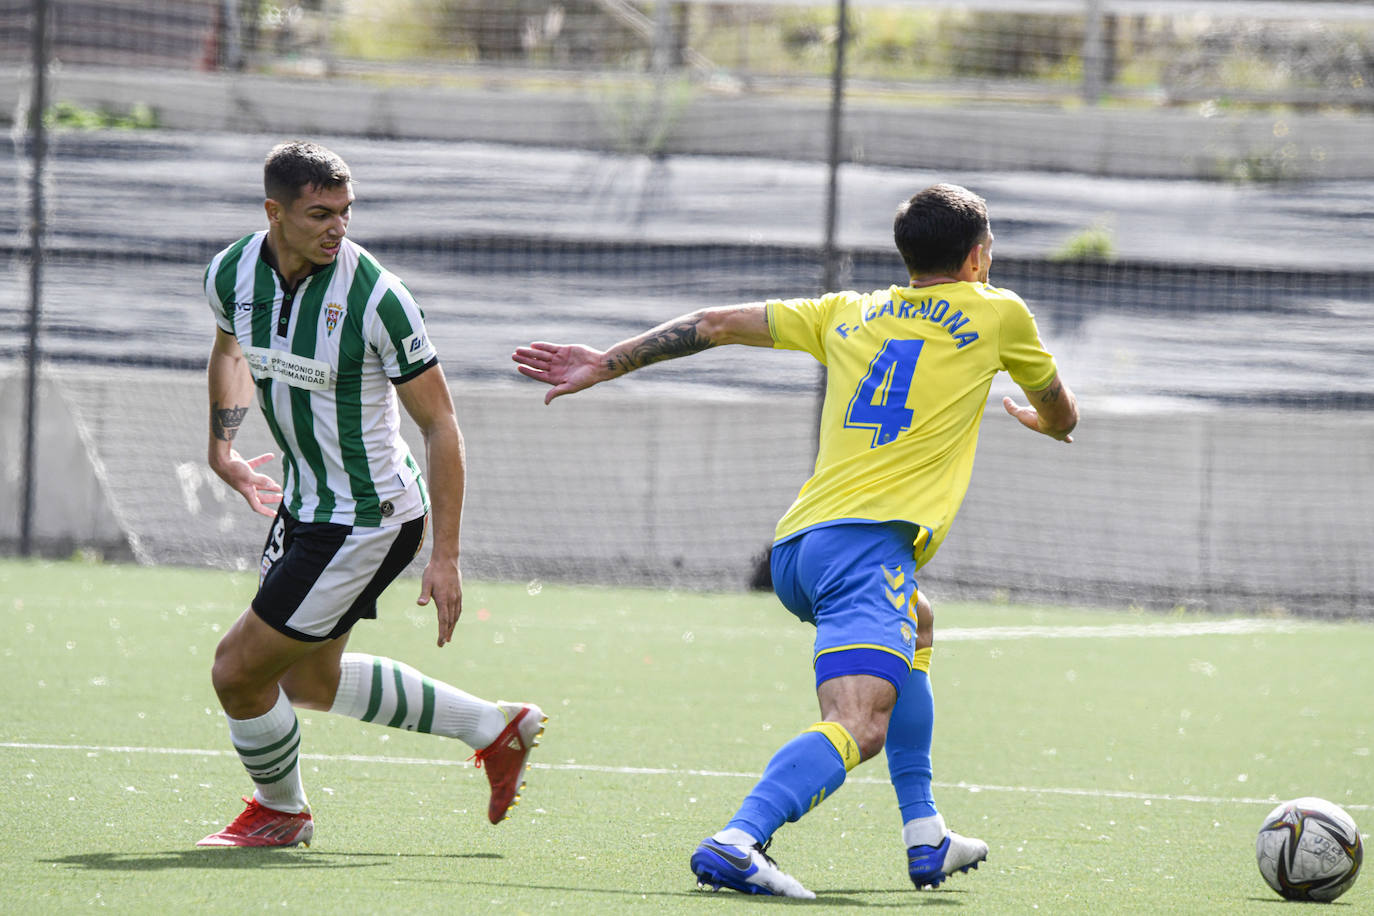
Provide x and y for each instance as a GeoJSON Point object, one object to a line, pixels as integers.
{"type": "Point", "coordinates": [70, 115]}
{"type": "Point", "coordinates": [1091, 244]}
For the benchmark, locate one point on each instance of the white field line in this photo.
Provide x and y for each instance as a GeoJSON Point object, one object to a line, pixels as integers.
{"type": "Point", "coordinates": [1146, 797]}
{"type": "Point", "coordinates": [1113, 631]}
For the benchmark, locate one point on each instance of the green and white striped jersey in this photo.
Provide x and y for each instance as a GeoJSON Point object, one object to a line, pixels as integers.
{"type": "Point", "coordinates": [325, 357]}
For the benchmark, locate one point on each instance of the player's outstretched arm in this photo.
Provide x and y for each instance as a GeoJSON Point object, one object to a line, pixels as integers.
{"type": "Point", "coordinates": [231, 394]}
{"type": "Point", "coordinates": [1053, 410]}
{"type": "Point", "coordinates": [567, 368]}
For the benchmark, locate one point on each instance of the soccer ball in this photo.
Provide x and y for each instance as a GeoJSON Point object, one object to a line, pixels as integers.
{"type": "Point", "coordinates": [1309, 849]}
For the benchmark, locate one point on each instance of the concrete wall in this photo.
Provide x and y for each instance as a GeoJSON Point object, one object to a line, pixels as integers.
{"type": "Point", "coordinates": [1180, 142]}
{"type": "Point", "coordinates": [1227, 509]}
{"type": "Point", "coordinates": [72, 505]}
{"type": "Point", "coordinates": [1238, 508]}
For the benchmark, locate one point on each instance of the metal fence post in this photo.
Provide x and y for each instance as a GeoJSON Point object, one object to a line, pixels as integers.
{"type": "Point", "coordinates": [38, 150]}
{"type": "Point", "coordinates": [830, 253]}
{"type": "Point", "coordinates": [1093, 58]}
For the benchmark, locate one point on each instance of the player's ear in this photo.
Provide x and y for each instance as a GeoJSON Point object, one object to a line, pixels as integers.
{"type": "Point", "coordinates": [972, 267]}
{"type": "Point", "coordinates": [273, 210]}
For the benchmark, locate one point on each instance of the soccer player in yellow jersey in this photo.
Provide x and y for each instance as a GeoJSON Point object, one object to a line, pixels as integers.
{"type": "Point", "coordinates": [909, 370]}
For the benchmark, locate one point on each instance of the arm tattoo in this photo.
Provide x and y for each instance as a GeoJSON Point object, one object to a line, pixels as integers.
{"type": "Point", "coordinates": [225, 421]}
{"type": "Point", "coordinates": [667, 342]}
{"type": "Point", "coordinates": [1052, 393]}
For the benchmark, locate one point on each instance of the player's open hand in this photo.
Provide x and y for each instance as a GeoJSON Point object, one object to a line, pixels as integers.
{"type": "Point", "coordinates": [1031, 420]}
{"type": "Point", "coordinates": [260, 491]}
{"type": "Point", "coordinates": [443, 582]}
{"type": "Point", "coordinates": [564, 367]}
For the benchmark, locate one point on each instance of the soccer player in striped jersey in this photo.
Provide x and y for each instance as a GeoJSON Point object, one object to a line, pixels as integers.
{"type": "Point", "coordinates": [909, 369]}
{"type": "Point", "coordinates": [331, 341]}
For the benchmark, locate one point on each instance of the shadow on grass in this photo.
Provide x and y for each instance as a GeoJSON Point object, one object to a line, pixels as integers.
{"type": "Point", "coordinates": [1277, 899]}
{"type": "Point", "coordinates": [902, 897]}
{"type": "Point", "coordinates": [222, 859]}
{"type": "Point", "coordinates": [893, 898]}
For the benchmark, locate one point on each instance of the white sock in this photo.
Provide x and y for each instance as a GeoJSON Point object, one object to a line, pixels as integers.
{"type": "Point", "coordinates": [733, 836]}
{"type": "Point", "coordinates": [388, 692]}
{"type": "Point", "coordinates": [269, 747]}
{"type": "Point", "coordinates": [924, 831]}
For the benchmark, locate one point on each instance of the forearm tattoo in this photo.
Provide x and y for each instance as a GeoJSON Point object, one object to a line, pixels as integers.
{"type": "Point", "coordinates": [1052, 393]}
{"type": "Point", "coordinates": [667, 342]}
{"type": "Point", "coordinates": [225, 421]}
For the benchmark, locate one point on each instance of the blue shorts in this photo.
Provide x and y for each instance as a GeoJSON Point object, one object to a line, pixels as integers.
{"type": "Point", "coordinates": [856, 581]}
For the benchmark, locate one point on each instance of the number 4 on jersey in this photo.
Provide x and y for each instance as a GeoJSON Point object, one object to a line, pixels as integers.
{"type": "Point", "coordinates": [879, 403]}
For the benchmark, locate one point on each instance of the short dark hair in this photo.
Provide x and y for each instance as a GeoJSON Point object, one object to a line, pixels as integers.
{"type": "Point", "coordinates": [298, 164]}
{"type": "Point", "coordinates": [936, 229]}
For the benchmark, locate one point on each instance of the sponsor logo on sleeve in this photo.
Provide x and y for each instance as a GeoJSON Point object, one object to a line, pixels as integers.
{"type": "Point", "coordinates": [417, 349]}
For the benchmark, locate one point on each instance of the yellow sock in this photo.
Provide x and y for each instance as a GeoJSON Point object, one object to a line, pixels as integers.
{"type": "Point", "coordinates": [922, 660]}
{"type": "Point", "coordinates": [843, 741]}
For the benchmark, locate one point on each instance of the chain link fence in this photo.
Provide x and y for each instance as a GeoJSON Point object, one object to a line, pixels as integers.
{"type": "Point", "coordinates": [1179, 190]}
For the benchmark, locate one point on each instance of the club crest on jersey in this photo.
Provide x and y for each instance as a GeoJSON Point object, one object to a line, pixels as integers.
{"type": "Point", "coordinates": [332, 313]}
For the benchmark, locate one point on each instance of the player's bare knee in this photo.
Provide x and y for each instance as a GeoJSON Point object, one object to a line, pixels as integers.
{"type": "Point", "coordinates": [239, 686]}
{"type": "Point", "coordinates": [870, 739]}
{"type": "Point", "coordinates": [869, 732]}
{"type": "Point", "coordinates": [230, 681]}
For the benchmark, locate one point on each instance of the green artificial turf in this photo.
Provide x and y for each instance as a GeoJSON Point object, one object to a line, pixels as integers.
{"type": "Point", "coordinates": [1114, 762]}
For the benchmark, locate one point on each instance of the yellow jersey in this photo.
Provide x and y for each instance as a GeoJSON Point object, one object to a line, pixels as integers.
{"type": "Point", "coordinates": [908, 374]}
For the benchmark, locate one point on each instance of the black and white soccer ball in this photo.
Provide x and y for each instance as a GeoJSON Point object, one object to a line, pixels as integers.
{"type": "Point", "coordinates": [1309, 849]}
